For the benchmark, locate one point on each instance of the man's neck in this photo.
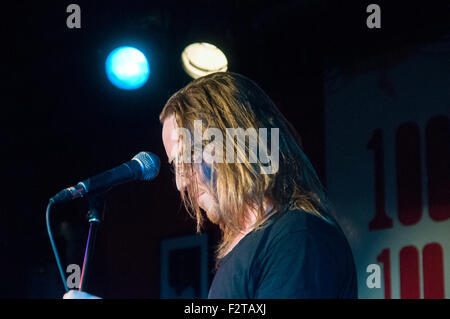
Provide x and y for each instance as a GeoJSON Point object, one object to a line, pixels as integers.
{"type": "Point", "coordinates": [249, 226]}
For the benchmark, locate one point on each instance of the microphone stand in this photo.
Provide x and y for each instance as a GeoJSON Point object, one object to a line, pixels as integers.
{"type": "Point", "coordinates": [94, 216]}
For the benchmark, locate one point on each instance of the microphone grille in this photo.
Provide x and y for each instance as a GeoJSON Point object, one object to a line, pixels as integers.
{"type": "Point", "coordinates": [150, 164]}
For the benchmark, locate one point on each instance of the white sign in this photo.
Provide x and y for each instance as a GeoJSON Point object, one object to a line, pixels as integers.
{"type": "Point", "coordinates": [387, 151]}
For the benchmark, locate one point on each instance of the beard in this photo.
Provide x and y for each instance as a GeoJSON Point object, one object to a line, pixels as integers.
{"type": "Point", "coordinates": [213, 216]}
{"type": "Point", "coordinates": [211, 208]}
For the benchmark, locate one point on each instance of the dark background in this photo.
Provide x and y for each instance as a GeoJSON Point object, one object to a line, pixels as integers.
{"type": "Point", "coordinates": [62, 121]}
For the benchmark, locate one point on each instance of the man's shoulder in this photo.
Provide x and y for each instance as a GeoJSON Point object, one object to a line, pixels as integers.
{"type": "Point", "coordinates": [297, 225]}
{"type": "Point", "coordinates": [290, 227]}
{"type": "Point", "coordinates": [299, 220]}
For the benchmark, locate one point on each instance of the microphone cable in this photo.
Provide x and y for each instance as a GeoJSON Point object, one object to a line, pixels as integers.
{"type": "Point", "coordinates": [52, 241]}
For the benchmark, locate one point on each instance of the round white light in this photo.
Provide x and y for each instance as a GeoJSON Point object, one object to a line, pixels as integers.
{"type": "Point", "coordinates": [200, 59]}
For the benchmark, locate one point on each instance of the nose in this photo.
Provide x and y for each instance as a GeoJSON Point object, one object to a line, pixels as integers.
{"type": "Point", "coordinates": [187, 178]}
{"type": "Point", "coordinates": [182, 182]}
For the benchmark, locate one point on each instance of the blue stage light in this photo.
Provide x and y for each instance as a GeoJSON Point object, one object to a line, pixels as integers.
{"type": "Point", "coordinates": [127, 68]}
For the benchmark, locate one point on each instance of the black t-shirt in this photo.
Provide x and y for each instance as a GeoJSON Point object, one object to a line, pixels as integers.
{"type": "Point", "coordinates": [296, 255]}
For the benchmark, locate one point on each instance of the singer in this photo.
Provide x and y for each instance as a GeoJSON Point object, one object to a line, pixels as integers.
{"type": "Point", "coordinates": [279, 237]}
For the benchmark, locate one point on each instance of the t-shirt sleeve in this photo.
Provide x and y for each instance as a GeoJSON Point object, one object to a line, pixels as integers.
{"type": "Point", "coordinates": [298, 264]}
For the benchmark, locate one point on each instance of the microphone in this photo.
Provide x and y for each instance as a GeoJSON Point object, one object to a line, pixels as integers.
{"type": "Point", "coordinates": [143, 166]}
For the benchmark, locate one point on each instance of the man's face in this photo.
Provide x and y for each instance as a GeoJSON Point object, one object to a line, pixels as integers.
{"type": "Point", "coordinates": [172, 145]}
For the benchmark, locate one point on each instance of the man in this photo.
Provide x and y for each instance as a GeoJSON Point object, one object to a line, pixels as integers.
{"type": "Point", "coordinates": [279, 239]}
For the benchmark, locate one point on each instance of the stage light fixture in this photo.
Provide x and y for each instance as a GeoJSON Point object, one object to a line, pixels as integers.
{"type": "Point", "coordinates": [200, 59]}
{"type": "Point", "coordinates": [127, 68]}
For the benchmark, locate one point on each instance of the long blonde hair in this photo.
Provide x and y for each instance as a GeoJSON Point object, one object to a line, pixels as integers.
{"type": "Point", "coordinates": [228, 100]}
